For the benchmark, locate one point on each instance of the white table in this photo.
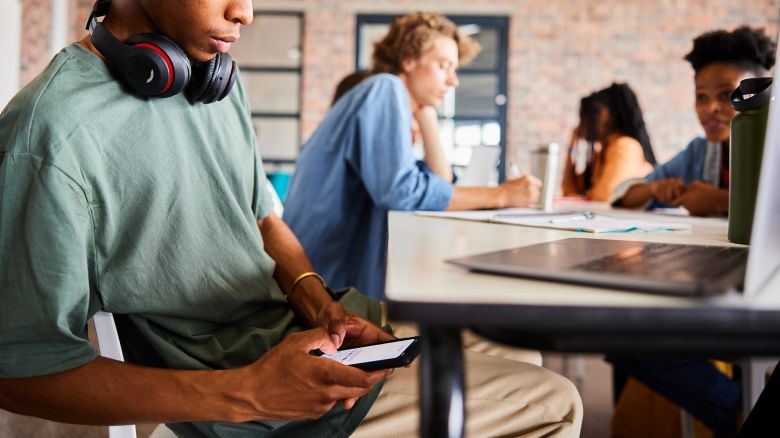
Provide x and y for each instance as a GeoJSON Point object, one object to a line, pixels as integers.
{"type": "Point", "coordinates": [443, 298]}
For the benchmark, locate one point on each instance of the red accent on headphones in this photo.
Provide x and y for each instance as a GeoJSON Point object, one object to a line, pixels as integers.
{"type": "Point", "coordinates": [165, 58]}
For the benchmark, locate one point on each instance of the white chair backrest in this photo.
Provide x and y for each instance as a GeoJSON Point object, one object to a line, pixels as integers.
{"type": "Point", "coordinates": [278, 206]}
{"type": "Point", "coordinates": [108, 341]}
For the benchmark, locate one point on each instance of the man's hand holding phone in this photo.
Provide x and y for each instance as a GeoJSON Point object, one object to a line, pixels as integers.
{"type": "Point", "coordinates": [349, 330]}
{"type": "Point", "coordinates": [380, 356]}
{"type": "Point", "coordinates": [352, 331]}
{"type": "Point", "coordinates": [287, 382]}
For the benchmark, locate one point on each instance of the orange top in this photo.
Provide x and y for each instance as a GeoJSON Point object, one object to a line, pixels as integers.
{"type": "Point", "coordinates": [623, 159]}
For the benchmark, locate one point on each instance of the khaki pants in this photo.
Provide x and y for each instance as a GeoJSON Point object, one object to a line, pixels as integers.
{"type": "Point", "coordinates": [505, 397]}
{"type": "Point", "coordinates": [473, 342]}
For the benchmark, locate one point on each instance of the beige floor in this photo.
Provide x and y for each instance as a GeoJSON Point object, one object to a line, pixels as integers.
{"type": "Point", "coordinates": [594, 382]}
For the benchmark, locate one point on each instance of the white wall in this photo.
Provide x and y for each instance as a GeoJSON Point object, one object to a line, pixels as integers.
{"type": "Point", "coordinates": [10, 34]}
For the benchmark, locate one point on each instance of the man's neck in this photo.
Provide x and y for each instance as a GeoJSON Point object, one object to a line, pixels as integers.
{"type": "Point", "coordinates": [123, 20]}
{"type": "Point", "coordinates": [86, 42]}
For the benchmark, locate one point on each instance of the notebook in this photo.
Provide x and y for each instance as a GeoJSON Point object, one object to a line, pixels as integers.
{"type": "Point", "coordinates": [582, 221]}
{"type": "Point", "coordinates": [588, 222]}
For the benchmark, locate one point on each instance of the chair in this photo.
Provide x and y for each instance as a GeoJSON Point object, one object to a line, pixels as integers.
{"type": "Point", "coordinates": [754, 377]}
{"type": "Point", "coordinates": [278, 206]}
{"type": "Point", "coordinates": [108, 342]}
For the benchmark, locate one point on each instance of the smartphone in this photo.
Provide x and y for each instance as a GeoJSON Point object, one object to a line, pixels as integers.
{"type": "Point", "coordinates": [381, 356]}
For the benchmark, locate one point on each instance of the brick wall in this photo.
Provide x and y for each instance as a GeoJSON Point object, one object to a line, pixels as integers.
{"type": "Point", "coordinates": [559, 50]}
{"type": "Point", "coordinates": [563, 49]}
{"type": "Point", "coordinates": [36, 32]}
{"type": "Point", "coordinates": [78, 11]}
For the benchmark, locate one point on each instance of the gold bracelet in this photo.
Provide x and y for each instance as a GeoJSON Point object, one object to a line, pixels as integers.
{"type": "Point", "coordinates": [304, 276]}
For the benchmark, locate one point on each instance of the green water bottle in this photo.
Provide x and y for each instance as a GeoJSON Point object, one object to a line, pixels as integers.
{"type": "Point", "coordinates": [751, 100]}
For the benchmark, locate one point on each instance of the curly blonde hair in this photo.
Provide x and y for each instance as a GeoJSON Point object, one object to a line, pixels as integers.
{"type": "Point", "coordinates": [412, 35]}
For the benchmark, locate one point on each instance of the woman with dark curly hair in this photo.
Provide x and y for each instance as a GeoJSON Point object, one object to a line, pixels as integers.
{"type": "Point", "coordinates": [697, 178]}
{"type": "Point", "coordinates": [619, 148]}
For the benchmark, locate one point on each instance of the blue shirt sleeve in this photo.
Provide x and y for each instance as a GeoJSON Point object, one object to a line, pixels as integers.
{"type": "Point", "coordinates": [382, 154]}
{"type": "Point", "coordinates": [686, 165]}
{"type": "Point", "coordinates": [423, 166]}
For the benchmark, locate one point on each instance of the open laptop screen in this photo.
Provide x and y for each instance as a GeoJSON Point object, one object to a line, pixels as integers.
{"type": "Point", "coordinates": [764, 260]}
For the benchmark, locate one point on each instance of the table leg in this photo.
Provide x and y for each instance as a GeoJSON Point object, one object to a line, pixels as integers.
{"type": "Point", "coordinates": [442, 410]}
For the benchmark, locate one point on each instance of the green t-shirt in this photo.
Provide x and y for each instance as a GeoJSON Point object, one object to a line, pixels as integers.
{"type": "Point", "coordinates": [139, 207]}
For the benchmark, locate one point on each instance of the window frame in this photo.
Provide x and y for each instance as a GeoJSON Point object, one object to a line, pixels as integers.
{"type": "Point", "coordinates": [271, 69]}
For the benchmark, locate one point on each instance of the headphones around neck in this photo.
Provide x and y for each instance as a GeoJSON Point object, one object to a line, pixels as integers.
{"type": "Point", "coordinates": [153, 65]}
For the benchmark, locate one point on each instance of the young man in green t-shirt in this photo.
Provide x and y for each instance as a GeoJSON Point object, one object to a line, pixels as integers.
{"type": "Point", "coordinates": [156, 209]}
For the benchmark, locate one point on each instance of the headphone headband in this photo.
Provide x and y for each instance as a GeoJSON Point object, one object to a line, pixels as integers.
{"type": "Point", "coordinates": [100, 9]}
{"type": "Point", "coordinates": [153, 65]}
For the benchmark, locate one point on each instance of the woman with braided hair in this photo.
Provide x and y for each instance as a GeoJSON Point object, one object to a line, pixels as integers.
{"type": "Point", "coordinates": [618, 145]}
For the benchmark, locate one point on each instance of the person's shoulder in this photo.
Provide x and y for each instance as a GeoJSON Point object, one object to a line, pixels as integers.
{"type": "Point", "coordinates": [626, 142]}
{"type": "Point", "coordinates": [697, 143]}
{"type": "Point", "coordinates": [70, 78]}
{"type": "Point", "coordinates": [373, 93]}
{"type": "Point", "coordinates": [692, 153]}
{"type": "Point", "coordinates": [29, 106]}
{"type": "Point", "coordinates": [624, 146]}
{"type": "Point", "coordinates": [385, 80]}
{"type": "Point", "coordinates": [64, 89]}
{"type": "Point", "coordinates": [382, 84]}
{"type": "Point", "coordinates": [66, 96]}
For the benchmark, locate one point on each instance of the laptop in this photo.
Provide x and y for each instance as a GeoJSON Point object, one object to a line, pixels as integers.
{"type": "Point", "coordinates": [481, 167]}
{"type": "Point", "coordinates": [665, 268]}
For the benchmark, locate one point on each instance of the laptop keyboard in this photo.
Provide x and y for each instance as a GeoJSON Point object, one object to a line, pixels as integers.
{"type": "Point", "coordinates": [673, 262]}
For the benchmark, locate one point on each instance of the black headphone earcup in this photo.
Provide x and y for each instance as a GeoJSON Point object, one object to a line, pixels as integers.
{"type": "Point", "coordinates": [212, 80]}
{"type": "Point", "coordinates": [174, 57]}
{"type": "Point", "coordinates": [202, 74]}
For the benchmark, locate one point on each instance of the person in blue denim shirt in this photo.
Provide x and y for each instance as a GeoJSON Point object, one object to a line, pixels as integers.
{"type": "Point", "coordinates": [697, 178]}
{"type": "Point", "coordinates": [359, 164]}
{"type": "Point", "coordinates": [425, 130]}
